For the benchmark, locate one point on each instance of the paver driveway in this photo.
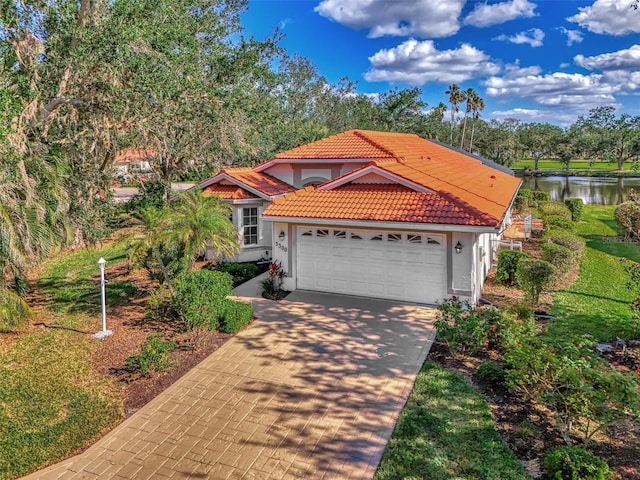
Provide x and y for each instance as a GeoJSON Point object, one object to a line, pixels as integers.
{"type": "Point", "coordinates": [310, 390]}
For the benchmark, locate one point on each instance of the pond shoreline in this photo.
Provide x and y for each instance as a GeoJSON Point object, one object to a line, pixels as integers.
{"type": "Point", "coordinates": [525, 172]}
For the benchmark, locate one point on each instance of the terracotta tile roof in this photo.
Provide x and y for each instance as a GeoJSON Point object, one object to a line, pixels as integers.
{"type": "Point", "coordinates": [350, 144]}
{"type": "Point", "coordinates": [262, 182]}
{"type": "Point", "coordinates": [135, 154]}
{"type": "Point", "coordinates": [376, 202]}
{"type": "Point", "coordinates": [453, 174]}
{"type": "Point", "coordinates": [227, 192]}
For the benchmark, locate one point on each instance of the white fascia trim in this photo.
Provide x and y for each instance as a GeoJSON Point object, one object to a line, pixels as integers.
{"type": "Point", "coordinates": [382, 225]}
{"type": "Point", "coordinates": [244, 201]}
{"type": "Point", "coordinates": [224, 176]}
{"type": "Point", "coordinates": [309, 161]}
{"type": "Point", "coordinates": [349, 177]}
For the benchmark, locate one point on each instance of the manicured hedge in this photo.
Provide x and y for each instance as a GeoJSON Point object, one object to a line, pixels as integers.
{"type": "Point", "coordinates": [575, 205]}
{"type": "Point", "coordinates": [234, 315]}
{"type": "Point", "coordinates": [198, 297]}
{"type": "Point", "coordinates": [507, 265]}
{"type": "Point", "coordinates": [558, 255]}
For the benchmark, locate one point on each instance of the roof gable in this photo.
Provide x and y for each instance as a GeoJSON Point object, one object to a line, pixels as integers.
{"type": "Point", "coordinates": [257, 184]}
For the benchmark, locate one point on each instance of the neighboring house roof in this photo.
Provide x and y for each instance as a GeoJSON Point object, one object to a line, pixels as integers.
{"type": "Point", "coordinates": [129, 155]}
{"type": "Point", "coordinates": [257, 184]}
{"type": "Point", "coordinates": [227, 192]}
{"type": "Point", "coordinates": [452, 178]}
{"type": "Point", "coordinates": [385, 202]}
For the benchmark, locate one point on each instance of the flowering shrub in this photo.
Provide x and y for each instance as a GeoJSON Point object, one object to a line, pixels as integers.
{"type": "Point", "coordinates": [272, 286]}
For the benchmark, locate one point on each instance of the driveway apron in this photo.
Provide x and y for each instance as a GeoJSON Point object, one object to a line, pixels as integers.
{"type": "Point", "coordinates": [311, 389]}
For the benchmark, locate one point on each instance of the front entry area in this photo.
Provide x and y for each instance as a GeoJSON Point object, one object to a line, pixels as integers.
{"type": "Point", "coordinates": [396, 265]}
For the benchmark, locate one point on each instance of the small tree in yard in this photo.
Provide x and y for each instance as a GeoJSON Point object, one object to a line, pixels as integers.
{"type": "Point", "coordinates": [534, 277]}
{"type": "Point", "coordinates": [584, 393]}
{"type": "Point", "coordinates": [627, 214]}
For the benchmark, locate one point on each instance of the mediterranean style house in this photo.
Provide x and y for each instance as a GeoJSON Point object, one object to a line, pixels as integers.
{"type": "Point", "coordinates": [374, 214]}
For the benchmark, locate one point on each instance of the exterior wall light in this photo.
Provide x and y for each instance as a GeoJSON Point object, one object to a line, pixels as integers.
{"type": "Point", "coordinates": [281, 236]}
{"type": "Point", "coordinates": [458, 247]}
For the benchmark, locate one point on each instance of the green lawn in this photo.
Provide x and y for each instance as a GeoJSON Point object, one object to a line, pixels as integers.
{"type": "Point", "coordinates": [598, 303]}
{"type": "Point", "coordinates": [51, 402]}
{"type": "Point", "coordinates": [446, 432]}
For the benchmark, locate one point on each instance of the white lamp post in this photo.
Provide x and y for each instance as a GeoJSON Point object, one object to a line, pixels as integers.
{"type": "Point", "coordinates": [104, 332]}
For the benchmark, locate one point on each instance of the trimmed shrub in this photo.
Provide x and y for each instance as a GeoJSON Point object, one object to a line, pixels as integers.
{"type": "Point", "coordinates": [554, 208]}
{"type": "Point", "coordinates": [575, 463]}
{"type": "Point", "coordinates": [239, 271]}
{"type": "Point", "coordinates": [558, 221]}
{"type": "Point", "coordinates": [575, 205]}
{"type": "Point", "coordinates": [627, 214]}
{"type": "Point", "coordinates": [558, 255]}
{"type": "Point", "coordinates": [534, 277]}
{"type": "Point", "coordinates": [234, 315]}
{"type": "Point", "coordinates": [565, 238]}
{"type": "Point", "coordinates": [520, 204]}
{"type": "Point", "coordinates": [507, 264]}
{"type": "Point", "coordinates": [154, 355]}
{"type": "Point", "coordinates": [539, 196]}
{"type": "Point", "coordinates": [198, 297]}
{"type": "Point", "coordinates": [491, 374]}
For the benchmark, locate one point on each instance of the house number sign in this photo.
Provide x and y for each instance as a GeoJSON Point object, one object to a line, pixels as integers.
{"type": "Point", "coordinates": [281, 247]}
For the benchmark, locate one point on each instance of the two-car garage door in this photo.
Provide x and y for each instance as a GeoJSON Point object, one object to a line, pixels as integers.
{"type": "Point", "coordinates": [407, 266]}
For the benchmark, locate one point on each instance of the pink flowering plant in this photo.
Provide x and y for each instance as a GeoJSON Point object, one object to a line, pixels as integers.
{"type": "Point", "coordinates": [272, 285]}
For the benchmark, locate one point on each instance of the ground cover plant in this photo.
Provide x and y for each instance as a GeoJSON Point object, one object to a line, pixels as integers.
{"type": "Point", "coordinates": [446, 431]}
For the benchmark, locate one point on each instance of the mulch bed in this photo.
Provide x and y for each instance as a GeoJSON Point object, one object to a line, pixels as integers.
{"type": "Point", "coordinates": [619, 446]}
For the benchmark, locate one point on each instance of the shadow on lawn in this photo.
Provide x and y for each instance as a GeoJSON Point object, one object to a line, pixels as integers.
{"type": "Point", "coordinates": [83, 295]}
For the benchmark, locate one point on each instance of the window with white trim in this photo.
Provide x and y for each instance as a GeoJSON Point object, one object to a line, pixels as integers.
{"type": "Point", "coordinates": [250, 225]}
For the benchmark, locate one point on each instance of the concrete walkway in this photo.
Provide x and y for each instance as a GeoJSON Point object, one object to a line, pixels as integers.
{"type": "Point", "coordinates": [312, 390]}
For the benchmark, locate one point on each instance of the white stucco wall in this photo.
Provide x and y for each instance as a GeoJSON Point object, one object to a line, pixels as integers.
{"type": "Point", "coordinates": [282, 252]}
{"type": "Point", "coordinates": [282, 172]}
{"type": "Point", "coordinates": [462, 264]}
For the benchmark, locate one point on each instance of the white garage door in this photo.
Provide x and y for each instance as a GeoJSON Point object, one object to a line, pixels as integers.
{"type": "Point", "coordinates": [372, 263]}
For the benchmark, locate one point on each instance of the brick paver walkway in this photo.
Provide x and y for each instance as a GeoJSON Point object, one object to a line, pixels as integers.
{"type": "Point", "coordinates": [310, 390]}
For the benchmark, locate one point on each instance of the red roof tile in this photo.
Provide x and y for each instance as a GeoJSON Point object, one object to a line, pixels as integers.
{"type": "Point", "coordinates": [227, 192]}
{"type": "Point", "coordinates": [350, 144]}
{"type": "Point", "coordinates": [261, 182]}
{"type": "Point", "coordinates": [376, 202]}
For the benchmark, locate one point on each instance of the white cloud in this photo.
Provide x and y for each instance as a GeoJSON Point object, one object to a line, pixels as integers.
{"type": "Point", "coordinates": [526, 115]}
{"type": "Point", "coordinates": [613, 17]}
{"type": "Point", "coordinates": [628, 59]}
{"type": "Point", "coordinates": [573, 36]}
{"type": "Point", "coordinates": [421, 18]}
{"type": "Point", "coordinates": [554, 89]}
{"type": "Point", "coordinates": [533, 37]}
{"type": "Point", "coordinates": [417, 63]}
{"type": "Point", "coordinates": [485, 15]}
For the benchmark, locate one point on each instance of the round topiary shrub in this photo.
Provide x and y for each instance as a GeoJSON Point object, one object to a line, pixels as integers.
{"type": "Point", "coordinates": [575, 463]}
{"type": "Point", "coordinates": [507, 264]}
{"type": "Point", "coordinates": [558, 255]}
{"type": "Point", "coordinates": [575, 205]}
{"type": "Point", "coordinates": [539, 196]}
{"type": "Point", "coordinates": [534, 277]}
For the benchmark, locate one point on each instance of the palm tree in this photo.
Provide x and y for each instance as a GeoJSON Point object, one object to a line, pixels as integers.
{"type": "Point", "coordinates": [470, 94]}
{"type": "Point", "coordinates": [196, 223]}
{"type": "Point", "coordinates": [477, 105]}
{"type": "Point", "coordinates": [456, 96]}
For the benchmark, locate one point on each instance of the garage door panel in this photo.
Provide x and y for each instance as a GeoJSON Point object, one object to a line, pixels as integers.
{"type": "Point", "coordinates": [381, 264]}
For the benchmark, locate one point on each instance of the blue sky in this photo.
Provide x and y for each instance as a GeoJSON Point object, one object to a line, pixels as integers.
{"type": "Point", "coordinates": [538, 61]}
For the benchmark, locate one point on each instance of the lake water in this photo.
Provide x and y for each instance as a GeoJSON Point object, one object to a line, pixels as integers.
{"type": "Point", "coordinates": [603, 191]}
